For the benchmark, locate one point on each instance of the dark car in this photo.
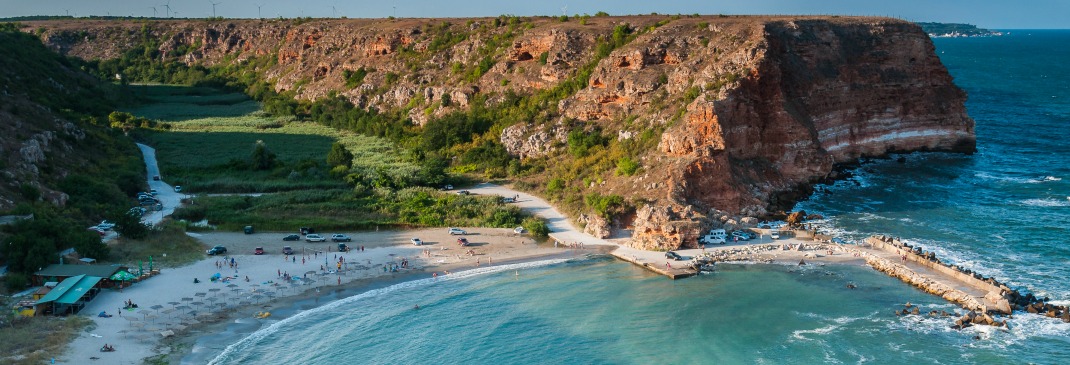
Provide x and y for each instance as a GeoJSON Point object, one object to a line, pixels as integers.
{"type": "Point", "coordinates": [673, 255]}
{"type": "Point", "coordinates": [292, 237]}
{"type": "Point", "coordinates": [258, 251]}
{"type": "Point", "coordinates": [217, 250]}
{"type": "Point", "coordinates": [286, 250]}
{"type": "Point", "coordinates": [462, 241]}
{"type": "Point", "coordinates": [156, 177]}
{"type": "Point", "coordinates": [307, 230]}
{"type": "Point", "coordinates": [342, 247]}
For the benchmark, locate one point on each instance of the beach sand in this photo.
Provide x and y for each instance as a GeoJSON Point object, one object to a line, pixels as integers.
{"type": "Point", "coordinates": [188, 309]}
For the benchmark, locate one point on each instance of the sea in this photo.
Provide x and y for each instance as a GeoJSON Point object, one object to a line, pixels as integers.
{"type": "Point", "coordinates": [1002, 211]}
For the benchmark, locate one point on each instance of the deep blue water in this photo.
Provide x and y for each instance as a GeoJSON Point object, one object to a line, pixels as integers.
{"type": "Point", "coordinates": [1003, 211]}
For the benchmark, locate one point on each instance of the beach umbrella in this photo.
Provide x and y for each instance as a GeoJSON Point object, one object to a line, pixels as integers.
{"type": "Point", "coordinates": [232, 285]}
{"type": "Point", "coordinates": [173, 304]}
{"type": "Point", "coordinates": [187, 299]}
{"type": "Point", "coordinates": [123, 276]}
{"type": "Point", "coordinates": [214, 290]}
{"type": "Point", "coordinates": [200, 294]}
{"type": "Point", "coordinates": [156, 307]}
{"type": "Point", "coordinates": [197, 303]}
{"type": "Point", "coordinates": [168, 312]}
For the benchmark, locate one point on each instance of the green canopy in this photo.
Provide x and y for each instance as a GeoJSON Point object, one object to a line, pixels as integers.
{"type": "Point", "coordinates": [122, 275]}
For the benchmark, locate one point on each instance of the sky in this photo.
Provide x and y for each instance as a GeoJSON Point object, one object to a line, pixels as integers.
{"type": "Point", "coordinates": [992, 14]}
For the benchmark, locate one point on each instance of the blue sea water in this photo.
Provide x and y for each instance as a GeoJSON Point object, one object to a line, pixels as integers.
{"type": "Point", "coordinates": [1002, 211]}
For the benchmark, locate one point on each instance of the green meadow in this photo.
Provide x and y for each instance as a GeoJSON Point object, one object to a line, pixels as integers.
{"type": "Point", "coordinates": [209, 138]}
{"type": "Point", "coordinates": [211, 133]}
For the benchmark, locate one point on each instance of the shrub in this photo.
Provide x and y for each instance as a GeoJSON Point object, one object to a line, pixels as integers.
{"type": "Point", "coordinates": [626, 166]}
{"type": "Point", "coordinates": [536, 226]}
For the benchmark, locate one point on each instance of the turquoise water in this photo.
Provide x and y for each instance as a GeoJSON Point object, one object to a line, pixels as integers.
{"type": "Point", "coordinates": [1003, 212]}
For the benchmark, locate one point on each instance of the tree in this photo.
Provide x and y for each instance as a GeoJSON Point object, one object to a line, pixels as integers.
{"type": "Point", "coordinates": [263, 159]}
{"type": "Point", "coordinates": [339, 156]}
{"type": "Point", "coordinates": [129, 225]}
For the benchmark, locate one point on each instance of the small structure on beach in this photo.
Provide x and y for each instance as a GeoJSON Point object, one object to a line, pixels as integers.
{"type": "Point", "coordinates": [70, 296]}
{"type": "Point", "coordinates": [59, 272]}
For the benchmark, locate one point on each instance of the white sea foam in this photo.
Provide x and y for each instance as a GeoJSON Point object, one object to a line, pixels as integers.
{"type": "Point", "coordinates": [259, 335]}
{"type": "Point", "coordinates": [1050, 202]}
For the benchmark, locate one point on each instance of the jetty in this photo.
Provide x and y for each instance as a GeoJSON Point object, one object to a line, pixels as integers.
{"type": "Point", "coordinates": [885, 254]}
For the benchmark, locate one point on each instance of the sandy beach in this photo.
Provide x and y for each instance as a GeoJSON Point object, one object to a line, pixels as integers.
{"type": "Point", "coordinates": [171, 301]}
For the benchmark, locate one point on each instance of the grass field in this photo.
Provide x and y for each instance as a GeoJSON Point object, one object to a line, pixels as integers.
{"type": "Point", "coordinates": [212, 132]}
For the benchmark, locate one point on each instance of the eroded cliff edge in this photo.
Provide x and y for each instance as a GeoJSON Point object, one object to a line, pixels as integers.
{"type": "Point", "coordinates": [745, 112]}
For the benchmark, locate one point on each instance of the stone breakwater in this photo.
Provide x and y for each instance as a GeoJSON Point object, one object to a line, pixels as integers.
{"type": "Point", "coordinates": [997, 298]}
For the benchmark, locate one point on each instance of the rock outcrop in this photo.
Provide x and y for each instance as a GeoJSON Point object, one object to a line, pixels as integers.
{"type": "Point", "coordinates": [746, 112]}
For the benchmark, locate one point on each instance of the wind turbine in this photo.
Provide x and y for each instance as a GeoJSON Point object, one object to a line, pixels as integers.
{"type": "Point", "coordinates": [168, 7]}
{"type": "Point", "coordinates": [153, 11]}
{"type": "Point", "coordinates": [564, 10]}
{"type": "Point", "coordinates": [68, 11]}
{"type": "Point", "coordinates": [334, 12]}
{"type": "Point", "coordinates": [258, 6]}
{"type": "Point", "coordinates": [213, 6]}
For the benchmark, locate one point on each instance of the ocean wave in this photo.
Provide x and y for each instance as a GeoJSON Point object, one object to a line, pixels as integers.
{"type": "Point", "coordinates": [249, 341]}
{"type": "Point", "coordinates": [1049, 202]}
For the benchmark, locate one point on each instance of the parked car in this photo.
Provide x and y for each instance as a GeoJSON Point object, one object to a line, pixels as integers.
{"type": "Point", "coordinates": [462, 241]}
{"type": "Point", "coordinates": [455, 231]}
{"type": "Point", "coordinates": [508, 199]}
{"type": "Point", "coordinates": [673, 255]}
{"type": "Point", "coordinates": [416, 241]}
{"type": "Point", "coordinates": [287, 250]}
{"type": "Point", "coordinates": [98, 230]}
{"type": "Point", "coordinates": [307, 230]}
{"type": "Point", "coordinates": [156, 177]}
{"type": "Point", "coordinates": [258, 251]}
{"type": "Point", "coordinates": [292, 237]}
{"type": "Point", "coordinates": [105, 225]}
{"type": "Point", "coordinates": [463, 192]}
{"type": "Point", "coordinates": [448, 187]}
{"type": "Point", "coordinates": [314, 238]}
{"type": "Point", "coordinates": [153, 192]}
{"type": "Point", "coordinates": [178, 188]}
{"type": "Point", "coordinates": [518, 230]}
{"type": "Point", "coordinates": [343, 247]}
{"type": "Point", "coordinates": [774, 235]}
{"type": "Point", "coordinates": [338, 237]}
{"type": "Point", "coordinates": [248, 230]}
{"type": "Point", "coordinates": [740, 236]}
{"type": "Point", "coordinates": [217, 250]}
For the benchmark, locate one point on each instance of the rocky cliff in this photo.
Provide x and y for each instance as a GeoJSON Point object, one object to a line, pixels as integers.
{"type": "Point", "coordinates": [750, 110]}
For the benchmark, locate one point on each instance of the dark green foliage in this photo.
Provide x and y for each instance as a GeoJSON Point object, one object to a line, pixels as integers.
{"type": "Point", "coordinates": [580, 142]}
{"type": "Point", "coordinates": [542, 57]}
{"type": "Point", "coordinates": [262, 157]}
{"type": "Point", "coordinates": [29, 192]}
{"type": "Point", "coordinates": [339, 156]}
{"type": "Point", "coordinates": [451, 130]}
{"type": "Point", "coordinates": [605, 205]}
{"type": "Point", "coordinates": [129, 225]}
{"type": "Point", "coordinates": [537, 227]}
{"type": "Point", "coordinates": [34, 243]}
{"type": "Point", "coordinates": [354, 78]}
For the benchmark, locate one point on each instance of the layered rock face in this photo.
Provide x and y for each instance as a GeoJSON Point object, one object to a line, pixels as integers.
{"type": "Point", "coordinates": [748, 111]}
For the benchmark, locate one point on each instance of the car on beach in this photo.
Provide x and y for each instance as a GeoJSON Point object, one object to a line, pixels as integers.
{"type": "Point", "coordinates": [456, 231]}
{"type": "Point", "coordinates": [416, 241]}
{"type": "Point", "coordinates": [105, 225]}
{"type": "Point", "coordinates": [673, 256]}
{"type": "Point", "coordinates": [462, 241]}
{"type": "Point", "coordinates": [178, 188]}
{"type": "Point", "coordinates": [338, 237]}
{"type": "Point", "coordinates": [258, 251]}
{"type": "Point", "coordinates": [217, 250]}
{"type": "Point", "coordinates": [287, 250]}
{"type": "Point", "coordinates": [343, 247]}
{"type": "Point", "coordinates": [314, 238]}
{"type": "Point", "coordinates": [463, 192]}
{"type": "Point", "coordinates": [292, 237]}
{"type": "Point", "coordinates": [518, 230]}
{"type": "Point", "coordinates": [774, 235]}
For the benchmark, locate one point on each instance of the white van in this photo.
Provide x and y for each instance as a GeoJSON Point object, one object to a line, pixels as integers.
{"type": "Point", "coordinates": [716, 236]}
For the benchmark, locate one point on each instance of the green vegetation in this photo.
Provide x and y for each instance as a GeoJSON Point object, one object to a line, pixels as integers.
{"type": "Point", "coordinates": [169, 246]}
{"type": "Point", "coordinates": [36, 340]}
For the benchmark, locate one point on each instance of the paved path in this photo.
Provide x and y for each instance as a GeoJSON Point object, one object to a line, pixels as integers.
{"type": "Point", "coordinates": [164, 192]}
